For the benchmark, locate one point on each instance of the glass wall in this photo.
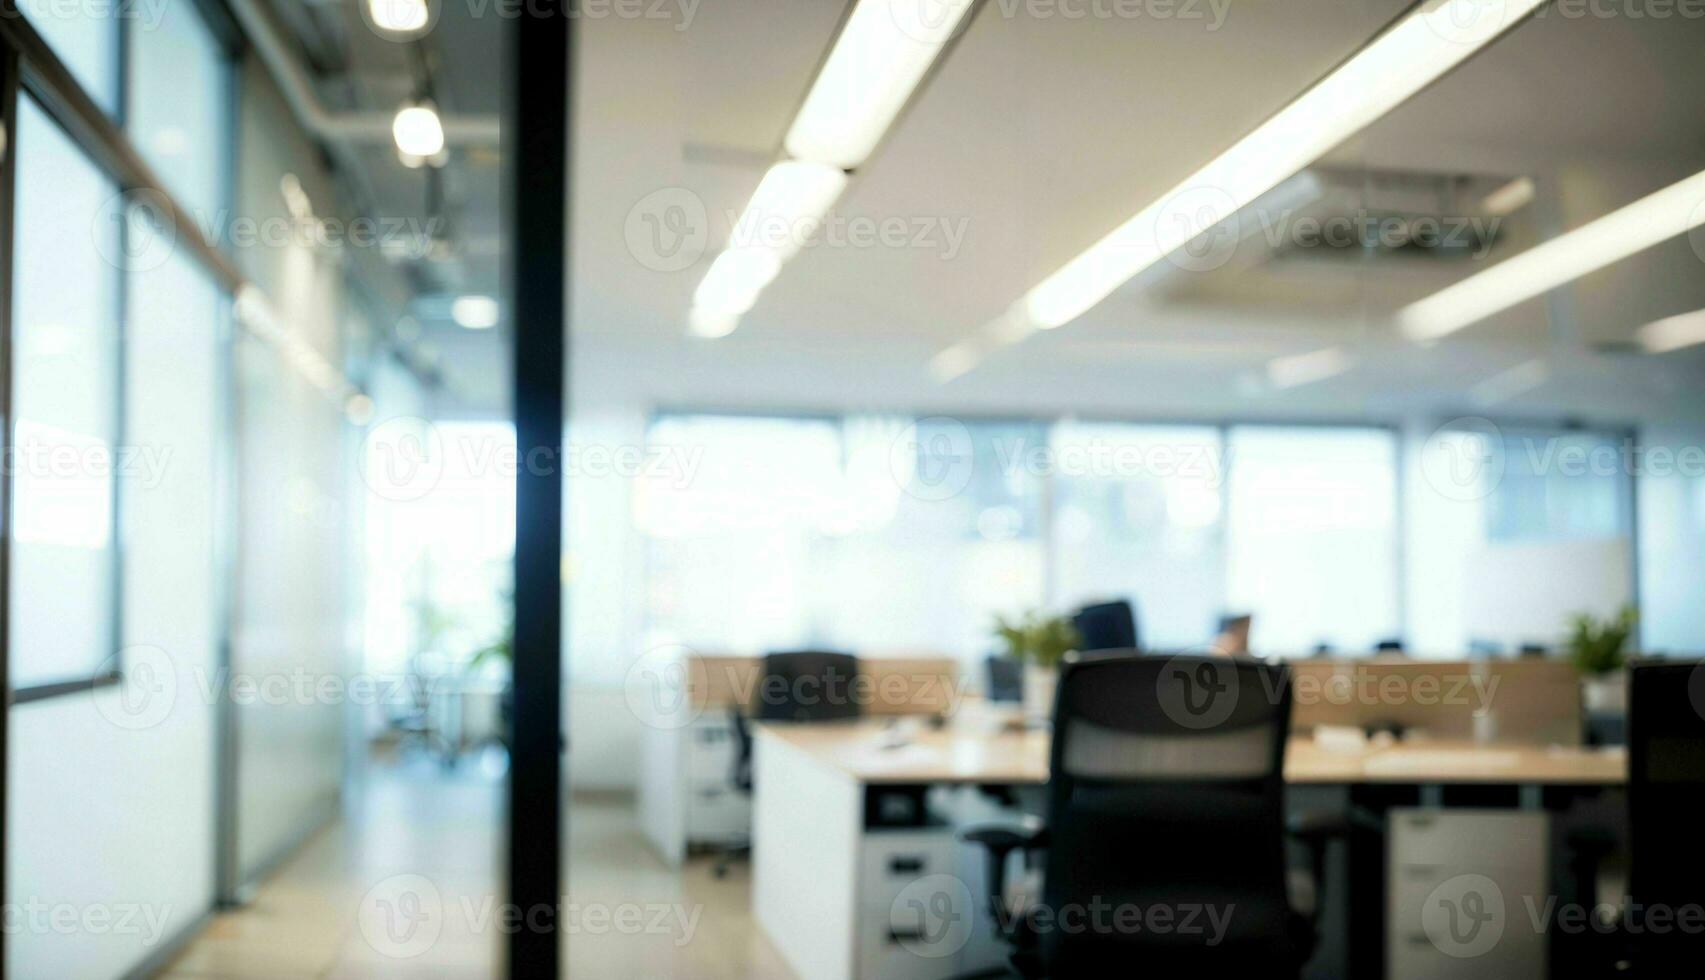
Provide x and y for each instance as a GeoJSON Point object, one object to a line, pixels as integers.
{"type": "Point", "coordinates": [1500, 501]}
{"type": "Point", "coordinates": [65, 427]}
{"type": "Point", "coordinates": [177, 108]}
{"type": "Point", "coordinates": [1139, 514]}
{"type": "Point", "coordinates": [888, 533]}
{"type": "Point", "coordinates": [1313, 538]}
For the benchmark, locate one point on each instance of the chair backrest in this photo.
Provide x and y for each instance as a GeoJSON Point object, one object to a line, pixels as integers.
{"type": "Point", "coordinates": [1166, 797]}
{"type": "Point", "coordinates": [1005, 678]}
{"type": "Point", "coordinates": [1107, 626]}
{"type": "Point", "coordinates": [806, 685]}
{"type": "Point", "coordinates": [1666, 796]}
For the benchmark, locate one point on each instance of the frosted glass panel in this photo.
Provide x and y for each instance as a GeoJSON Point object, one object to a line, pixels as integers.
{"type": "Point", "coordinates": [65, 404]}
{"type": "Point", "coordinates": [177, 108]}
{"type": "Point", "coordinates": [1313, 545]}
{"type": "Point", "coordinates": [85, 37]}
{"type": "Point", "coordinates": [866, 533]}
{"type": "Point", "coordinates": [1138, 516]}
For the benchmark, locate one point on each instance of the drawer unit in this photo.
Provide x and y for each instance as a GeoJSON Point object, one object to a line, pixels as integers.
{"type": "Point", "coordinates": [1460, 885]}
{"type": "Point", "coordinates": [890, 860]}
{"type": "Point", "coordinates": [888, 950]}
{"type": "Point", "coordinates": [709, 749]}
{"type": "Point", "coordinates": [915, 912]}
{"type": "Point", "coordinates": [717, 813]}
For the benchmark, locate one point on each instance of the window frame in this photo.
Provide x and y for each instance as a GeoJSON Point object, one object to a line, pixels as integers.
{"type": "Point", "coordinates": [30, 69]}
{"type": "Point", "coordinates": [1222, 425]}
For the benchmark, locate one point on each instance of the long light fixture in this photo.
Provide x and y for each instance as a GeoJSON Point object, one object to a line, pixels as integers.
{"type": "Point", "coordinates": [1673, 332]}
{"type": "Point", "coordinates": [1655, 218]}
{"type": "Point", "coordinates": [1418, 49]}
{"type": "Point", "coordinates": [1295, 370]}
{"type": "Point", "coordinates": [881, 55]}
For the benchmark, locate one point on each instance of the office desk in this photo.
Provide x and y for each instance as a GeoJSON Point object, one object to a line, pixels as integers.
{"type": "Point", "coordinates": [821, 883]}
{"type": "Point", "coordinates": [986, 755]}
{"type": "Point", "coordinates": [687, 797]}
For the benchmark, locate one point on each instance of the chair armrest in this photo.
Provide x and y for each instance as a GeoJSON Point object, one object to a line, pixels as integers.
{"type": "Point", "coordinates": [1006, 837]}
{"type": "Point", "coordinates": [1000, 840]}
{"type": "Point", "coordinates": [1317, 828]}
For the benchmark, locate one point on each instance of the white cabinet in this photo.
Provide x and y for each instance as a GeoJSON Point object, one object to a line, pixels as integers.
{"type": "Point", "coordinates": [914, 913]}
{"type": "Point", "coordinates": [687, 797]}
{"type": "Point", "coordinates": [1462, 887]}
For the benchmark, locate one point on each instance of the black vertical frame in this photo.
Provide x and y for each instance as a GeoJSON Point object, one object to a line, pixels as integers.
{"type": "Point", "coordinates": [8, 118]}
{"type": "Point", "coordinates": [536, 133]}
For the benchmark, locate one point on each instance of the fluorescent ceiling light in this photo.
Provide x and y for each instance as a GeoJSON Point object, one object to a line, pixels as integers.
{"type": "Point", "coordinates": [955, 361]}
{"type": "Point", "coordinates": [474, 312]}
{"type": "Point", "coordinates": [735, 279]}
{"type": "Point", "coordinates": [788, 207]}
{"type": "Point", "coordinates": [1301, 369]}
{"type": "Point", "coordinates": [1673, 332]}
{"type": "Point", "coordinates": [418, 130]}
{"type": "Point", "coordinates": [883, 52]}
{"type": "Point", "coordinates": [398, 16]}
{"type": "Point", "coordinates": [711, 324]}
{"type": "Point", "coordinates": [1505, 385]}
{"type": "Point", "coordinates": [1431, 40]}
{"type": "Point", "coordinates": [1510, 198]}
{"type": "Point", "coordinates": [880, 57]}
{"type": "Point", "coordinates": [1652, 219]}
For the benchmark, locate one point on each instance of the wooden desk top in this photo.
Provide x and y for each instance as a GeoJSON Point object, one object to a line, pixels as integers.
{"type": "Point", "coordinates": [981, 752]}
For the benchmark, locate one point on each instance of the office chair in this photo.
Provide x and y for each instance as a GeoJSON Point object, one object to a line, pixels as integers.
{"type": "Point", "coordinates": [1666, 795]}
{"type": "Point", "coordinates": [1005, 678]}
{"type": "Point", "coordinates": [1107, 626]}
{"type": "Point", "coordinates": [802, 686]}
{"type": "Point", "coordinates": [1166, 791]}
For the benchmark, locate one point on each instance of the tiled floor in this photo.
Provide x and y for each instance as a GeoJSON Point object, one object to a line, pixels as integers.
{"type": "Point", "coordinates": [405, 886]}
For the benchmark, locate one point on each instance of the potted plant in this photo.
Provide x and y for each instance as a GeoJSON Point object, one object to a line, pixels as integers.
{"type": "Point", "coordinates": [1596, 649]}
{"type": "Point", "coordinates": [1039, 642]}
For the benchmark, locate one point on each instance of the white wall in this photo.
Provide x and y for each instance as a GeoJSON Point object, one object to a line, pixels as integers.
{"type": "Point", "coordinates": [110, 806]}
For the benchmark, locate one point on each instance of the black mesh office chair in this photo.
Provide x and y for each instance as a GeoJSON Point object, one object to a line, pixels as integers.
{"type": "Point", "coordinates": [801, 686]}
{"type": "Point", "coordinates": [1666, 791]}
{"type": "Point", "coordinates": [1166, 792]}
{"type": "Point", "coordinates": [1107, 626]}
{"type": "Point", "coordinates": [1666, 801]}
